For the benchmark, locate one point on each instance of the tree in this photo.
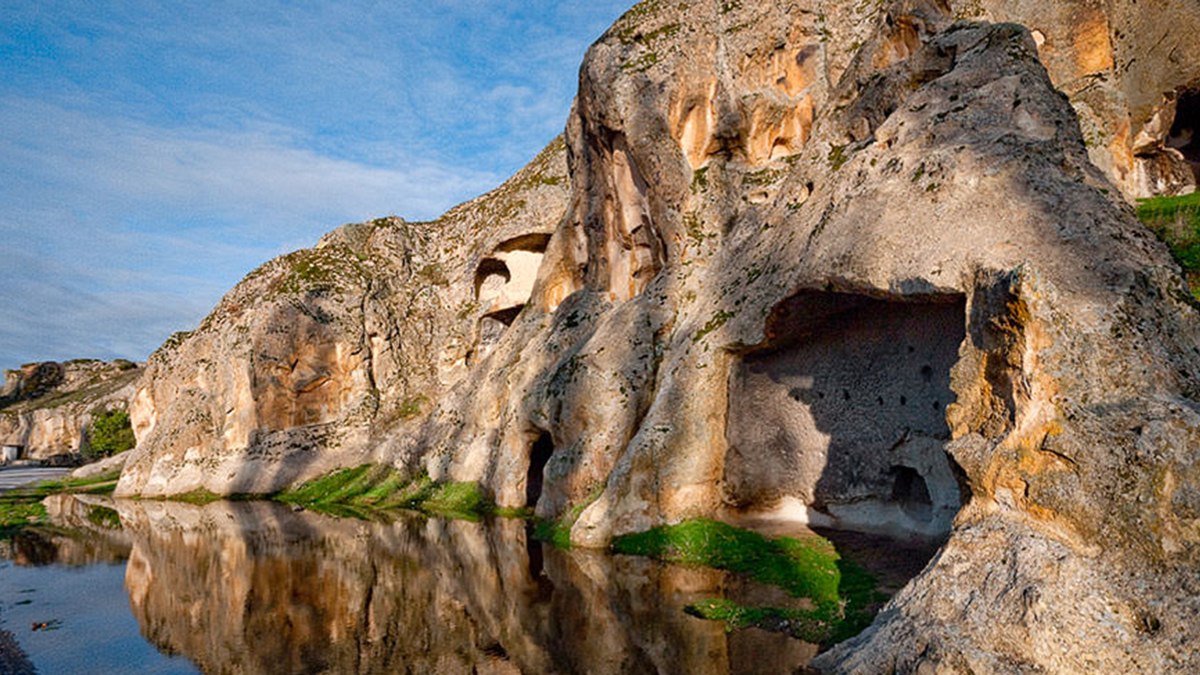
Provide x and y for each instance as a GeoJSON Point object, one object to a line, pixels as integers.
{"type": "Point", "coordinates": [109, 434]}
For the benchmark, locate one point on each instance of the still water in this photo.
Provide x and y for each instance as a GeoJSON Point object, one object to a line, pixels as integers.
{"type": "Point", "coordinates": [254, 587]}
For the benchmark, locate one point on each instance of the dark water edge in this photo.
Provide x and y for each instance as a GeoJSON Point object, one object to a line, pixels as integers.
{"type": "Point", "coordinates": [256, 587]}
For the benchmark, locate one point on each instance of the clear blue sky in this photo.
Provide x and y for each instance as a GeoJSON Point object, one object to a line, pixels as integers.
{"type": "Point", "coordinates": [152, 153]}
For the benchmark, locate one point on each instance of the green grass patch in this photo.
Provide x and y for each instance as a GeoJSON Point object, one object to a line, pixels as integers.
{"type": "Point", "coordinates": [18, 513]}
{"type": "Point", "coordinates": [359, 491]}
{"type": "Point", "coordinates": [1176, 220]}
{"type": "Point", "coordinates": [842, 593]}
{"type": "Point", "coordinates": [22, 507]}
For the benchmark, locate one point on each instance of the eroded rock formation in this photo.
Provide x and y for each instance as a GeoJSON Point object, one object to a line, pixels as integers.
{"type": "Point", "coordinates": [315, 355]}
{"type": "Point", "coordinates": [46, 408]}
{"type": "Point", "coordinates": [867, 265]}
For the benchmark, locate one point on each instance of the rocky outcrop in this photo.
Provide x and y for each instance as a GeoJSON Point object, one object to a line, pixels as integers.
{"type": "Point", "coordinates": [927, 312]}
{"type": "Point", "coordinates": [1130, 70]}
{"type": "Point", "coordinates": [862, 265]}
{"type": "Point", "coordinates": [46, 408]}
{"type": "Point", "coordinates": [316, 354]}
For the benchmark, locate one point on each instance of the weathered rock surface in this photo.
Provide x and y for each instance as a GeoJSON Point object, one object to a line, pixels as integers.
{"type": "Point", "coordinates": [46, 408]}
{"type": "Point", "coordinates": [866, 265]}
{"type": "Point", "coordinates": [732, 280]}
{"type": "Point", "coordinates": [316, 354]}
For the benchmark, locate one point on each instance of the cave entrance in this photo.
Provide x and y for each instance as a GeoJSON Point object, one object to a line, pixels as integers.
{"type": "Point", "coordinates": [844, 411]}
{"type": "Point", "coordinates": [539, 456]}
{"type": "Point", "coordinates": [1185, 132]}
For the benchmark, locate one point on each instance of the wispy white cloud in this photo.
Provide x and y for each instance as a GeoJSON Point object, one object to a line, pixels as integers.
{"type": "Point", "coordinates": [153, 152]}
{"type": "Point", "coordinates": [119, 233]}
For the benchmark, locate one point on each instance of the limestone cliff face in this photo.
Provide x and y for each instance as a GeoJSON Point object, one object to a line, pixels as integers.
{"type": "Point", "coordinates": [318, 352]}
{"type": "Point", "coordinates": [865, 265]}
{"type": "Point", "coordinates": [1127, 68]}
{"type": "Point", "coordinates": [868, 277]}
{"type": "Point", "coordinates": [46, 408]}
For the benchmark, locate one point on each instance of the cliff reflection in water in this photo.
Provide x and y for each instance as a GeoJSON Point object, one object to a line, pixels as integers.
{"type": "Point", "coordinates": [256, 588]}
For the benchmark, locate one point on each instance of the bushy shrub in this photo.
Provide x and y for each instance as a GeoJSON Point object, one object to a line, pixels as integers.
{"type": "Point", "coordinates": [109, 434]}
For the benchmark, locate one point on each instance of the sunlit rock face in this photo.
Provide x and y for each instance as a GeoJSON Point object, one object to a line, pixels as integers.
{"type": "Point", "coordinates": [255, 588]}
{"type": "Point", "coordinates": [770, 201]}
{"type": "Point", "coordinates": [316, 354]}
{"type": "Point", "coordinates": [1125, 67]}
{"type": "Point", "coordinates": [46, 408]}
{"type": "Point", "coordinates": [715, 274]}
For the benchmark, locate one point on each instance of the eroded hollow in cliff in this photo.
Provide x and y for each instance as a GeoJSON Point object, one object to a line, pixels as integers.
{"type": "Point", "coordinates": [841, 416]}
{"type": "Point", "coordinates": [1185, 132]}
{"type": "Point", "coordinates": [503, 284]}
{"type": "Point", "coordinates": [539, 456]}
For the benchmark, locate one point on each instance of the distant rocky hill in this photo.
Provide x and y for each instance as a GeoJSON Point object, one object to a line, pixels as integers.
{"type": "Point", "coordinates": [46, 408]}
{"type": "Point", "coordinates": [869, 265]}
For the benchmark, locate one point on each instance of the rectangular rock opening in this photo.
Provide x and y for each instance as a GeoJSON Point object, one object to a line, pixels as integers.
{"type": "Point", "coordinates": [843, 411]}
{"type": "Point", "coordinates": [539, 456]}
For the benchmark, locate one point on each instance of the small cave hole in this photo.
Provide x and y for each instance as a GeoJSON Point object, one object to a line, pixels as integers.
{"type": "Point", "coordinates": [539, 456]}
{"type": "Point", "coordinates": [1185, 132]}
{"type": "Point", "coordinates": [535, 242]}
{"type": "Point", "coordinates": [489, 268]}
{"type": "Point", "coordinates": [912, 493]}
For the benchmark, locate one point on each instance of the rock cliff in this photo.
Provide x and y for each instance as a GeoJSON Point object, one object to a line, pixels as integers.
{"type": "Point", "coordinates": [863, 265]}
{"type": "Point", "coordinates": [46, 408]}
{"type": "Point", "coordinates": [316, 354]}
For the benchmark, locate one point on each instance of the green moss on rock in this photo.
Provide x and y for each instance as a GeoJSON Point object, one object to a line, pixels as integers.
{"type": "Point", "coordinates": [842, 594]}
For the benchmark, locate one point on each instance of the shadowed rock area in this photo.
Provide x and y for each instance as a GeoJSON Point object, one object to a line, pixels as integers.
{"type": "Point", "coordinates": [846, 412]}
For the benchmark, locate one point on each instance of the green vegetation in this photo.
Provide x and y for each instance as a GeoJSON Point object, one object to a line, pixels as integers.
{"type": "Point", "coordinates": [369, 488]}
{"type": "Point", "coordinates": [104, 517]}
{"type": "Point", "coordinates": [331, 268]}
{"type": "Point", "coordinates": [412, 406]}
{"type": "Point", "coordinates": [17, 513]}
{"type": "Point", "coordinates": [694, 225]}
{"type": "Point", "coordinates": [109, 434]}
{"type": "Point", "coordinates": [838, 157]}
{"type": "Point", "coordinates": [842, 595]}
{"type": "Point", "coordinates": [558, 532]}
{"type": "Point", "coordinates": [22, 507]}
{"type": "Point", "coordinates": [197, 497]}
{"type": "Point", "coordinates": [1176, 220]}
{"type": "Point", "coordinates": [719, 319]}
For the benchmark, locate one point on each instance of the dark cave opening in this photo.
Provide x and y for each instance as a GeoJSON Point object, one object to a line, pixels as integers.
{"type": "Point", "coordinates": [1185, 132]}
{"type": "Point", "coordinates": [844, 412]}
{"type": "Point", "coordinates": [490, 267]}
{"type": "Point", "coordinates": [539, 456]}
{"type": "Point", "coordinates": [911, 492]}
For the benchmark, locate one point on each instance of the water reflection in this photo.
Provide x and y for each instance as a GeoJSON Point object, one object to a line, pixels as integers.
{"type": "Point", "coordinates": [257, 588]}
{"type": "Point", "coordinates": [86, 532]}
